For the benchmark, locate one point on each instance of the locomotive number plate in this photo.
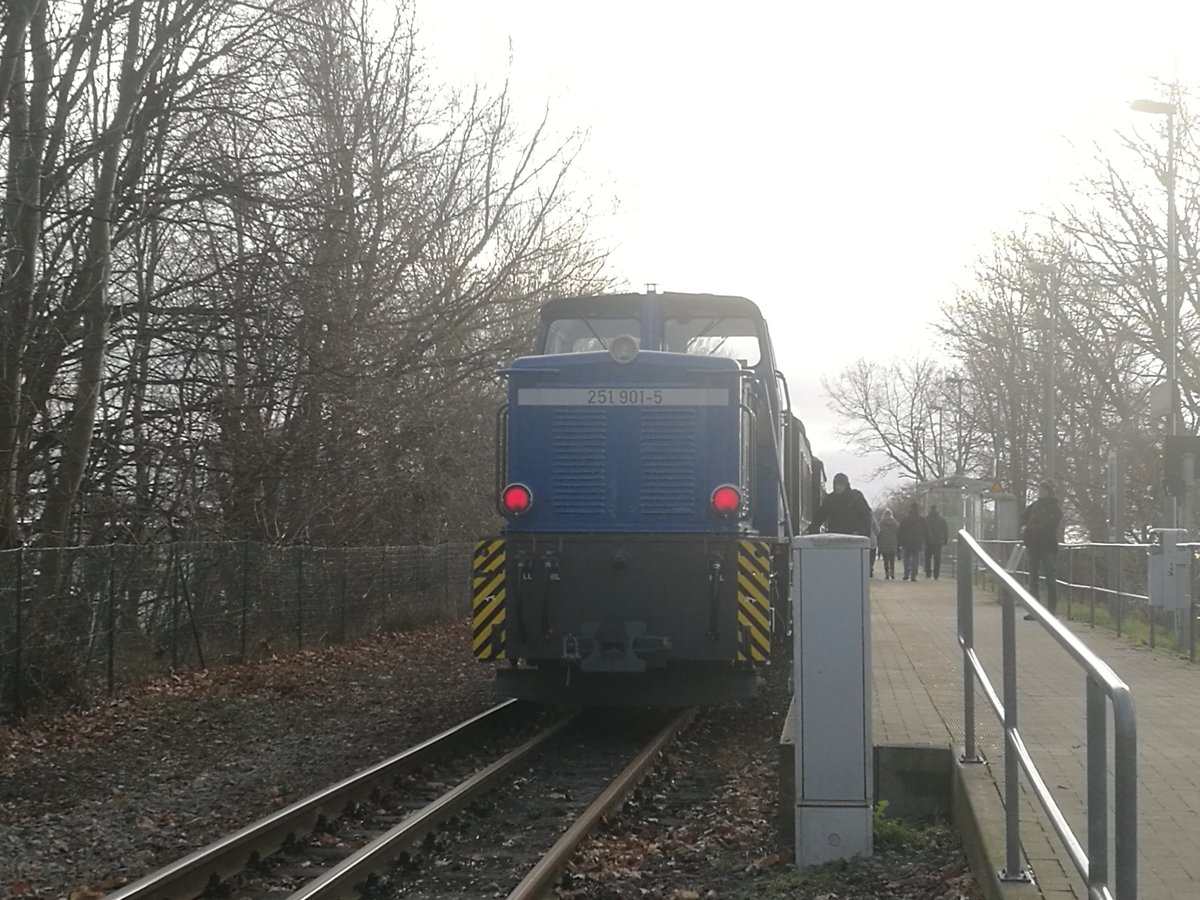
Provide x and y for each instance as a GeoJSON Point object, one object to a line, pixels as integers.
{"type": "Point", "coordinates": [622, 396]}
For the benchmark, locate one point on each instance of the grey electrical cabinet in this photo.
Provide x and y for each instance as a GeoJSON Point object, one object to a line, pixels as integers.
{"type": "Point", "coordinates": [1169, 570]}
{"type": "Point", "coordinates": [832, 678]}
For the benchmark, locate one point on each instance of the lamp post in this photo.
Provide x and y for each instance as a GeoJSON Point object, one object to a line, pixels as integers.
{"type": "Point", "coordinates": [941, 440]}
{"type": "Point", "coordinates": [957, 382]}
{"type": "Point", "coordinates": [1169, 110]}
{"type": "Point", "coordinates": [1049, 429]}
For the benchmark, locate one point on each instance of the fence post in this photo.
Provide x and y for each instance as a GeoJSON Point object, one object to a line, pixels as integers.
{"type": "Point", "coordinates": [174, 563]}
{"type": "Point", "coordinates": [112, 620]}
{"type": "Point", "coordinates": [187, 598]}
{"type": "Point", "coordinates": [300, 597]}
{"type": "Point", "coordinates": [18, 631]}
{"type": "Point", "coordinates": [1120, 591]}
{"type": "Point", "coordinates": [245, 592]}
{"type": "Point", "coordinates": [1192, 607]}
{"type": "Point", "coordinates": [342, 611]}
{"type": "Point", "coordinates": [1095, 591]}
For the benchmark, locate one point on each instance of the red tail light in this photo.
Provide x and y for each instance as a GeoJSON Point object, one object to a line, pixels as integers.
{"type": "Point", "coordinates": [726, 500]}
{"type": "Point", "coordinates": [516, 499]}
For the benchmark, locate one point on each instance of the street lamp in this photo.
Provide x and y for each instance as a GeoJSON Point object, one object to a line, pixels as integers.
{"type": "Point", "coordinates": [957, 382]}
{"type": "Point", "coordinates": [941, 441]}
{"type": "Point", "coordinates": [1169, 110]}
{"type": "Point", "coordinates": [1049, 431]}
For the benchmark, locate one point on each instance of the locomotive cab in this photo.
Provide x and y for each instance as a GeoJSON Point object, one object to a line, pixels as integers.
{"type": "Point", "coordinates": [641, 475]}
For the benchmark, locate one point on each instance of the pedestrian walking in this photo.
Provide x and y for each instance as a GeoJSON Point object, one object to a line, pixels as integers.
{"type": "Point", "coordinates": [913, 535]}
{"type": "Point", "coordinates": [874, 544]}
{"type": "Point", "coordinates": [889, 542]}
{"type": "Point", "coordinates": [1040, 523]}
{"type": "Point", "coordinates": [844, 511]}
{"type": "Point", "coordinates": [939, 534]}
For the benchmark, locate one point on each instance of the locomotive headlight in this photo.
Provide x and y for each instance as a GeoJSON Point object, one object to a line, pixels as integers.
{"type": "Point", "coordinates": [624, 349]}
{"type": "Point", "coordinates": [726, 500]}
{"type": "Point", "coordinates": [516, 499]}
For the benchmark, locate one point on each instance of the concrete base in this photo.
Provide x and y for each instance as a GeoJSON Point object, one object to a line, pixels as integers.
{"type": "Point", "coordinates": [914, 780]}
{"type": "Point", "coordinates": [829, 833]}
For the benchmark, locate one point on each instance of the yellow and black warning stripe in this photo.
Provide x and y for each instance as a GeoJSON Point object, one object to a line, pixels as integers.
{"type": "Point", "coordinates": [754, 607]}
{"type": "Point", "coordinates": [487, 600]}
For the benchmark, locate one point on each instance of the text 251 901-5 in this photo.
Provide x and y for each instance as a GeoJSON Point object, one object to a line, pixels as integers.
{"type": "Point", "coordinates": [624, 397]}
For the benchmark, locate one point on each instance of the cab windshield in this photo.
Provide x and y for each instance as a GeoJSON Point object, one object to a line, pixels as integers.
{"type": "Point", "coordinates": [735, 338]}
{"type": "Point", "coordinates": [589, 334]}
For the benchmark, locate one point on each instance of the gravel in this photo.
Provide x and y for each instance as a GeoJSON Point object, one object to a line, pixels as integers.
{"type": "Point", "coordinates": [91, 799]}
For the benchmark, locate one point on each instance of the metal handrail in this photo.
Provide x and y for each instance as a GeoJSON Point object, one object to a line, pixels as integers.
{"type": "Point", "coordinates": [1102, 683]}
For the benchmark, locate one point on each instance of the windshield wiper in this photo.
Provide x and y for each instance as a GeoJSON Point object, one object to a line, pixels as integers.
{"type": "Point", "coordinates": [588, 323]}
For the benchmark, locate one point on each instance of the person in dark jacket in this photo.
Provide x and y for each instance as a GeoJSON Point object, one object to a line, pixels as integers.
{"type": "Point", "coordinates": [889, 543]}
{"type": "Point", "coordinates": [874, 543]}
{"type": "Point", "coordinates": [913, 534]}
{"type": "Point", "coordinates": [845, 511]}
{"type": "Point", "coordinates": [1041, 523]}
{"type": "Point", "coordinates": [939, 534]}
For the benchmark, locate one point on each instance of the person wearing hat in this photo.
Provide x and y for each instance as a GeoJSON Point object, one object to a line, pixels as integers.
{"type": "Point", "coordinates": [845, 511]}
{"type": "Point", "coordinates": [1040, 524]}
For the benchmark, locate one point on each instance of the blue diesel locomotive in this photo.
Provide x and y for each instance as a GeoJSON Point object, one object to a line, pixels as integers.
{"type": "Point", "coordinates": [651, 474]}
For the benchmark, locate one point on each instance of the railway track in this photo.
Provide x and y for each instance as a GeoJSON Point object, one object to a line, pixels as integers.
{"type": "Point", "coordinates": [435, 821]}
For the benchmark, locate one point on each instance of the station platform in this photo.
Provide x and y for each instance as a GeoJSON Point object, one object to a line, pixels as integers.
{"type": "Point", "coordinates": [917, 699]}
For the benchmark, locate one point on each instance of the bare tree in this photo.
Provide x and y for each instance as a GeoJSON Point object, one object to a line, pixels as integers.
{"type": "Point", "coordinates": [889, 408]}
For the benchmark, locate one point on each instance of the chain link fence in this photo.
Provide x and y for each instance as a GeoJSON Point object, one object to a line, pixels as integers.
{"type": "Point", "coordinates": [80, 621]}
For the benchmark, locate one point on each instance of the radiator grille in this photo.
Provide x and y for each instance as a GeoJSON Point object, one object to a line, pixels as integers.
{"type": "Point", "coordinates": [669, 456]}
{"type": "Point", "coordinates": [580, 463]}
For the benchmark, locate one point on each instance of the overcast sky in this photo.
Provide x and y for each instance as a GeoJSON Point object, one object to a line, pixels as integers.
{"type": "Point", "coordinates": [841, 164]}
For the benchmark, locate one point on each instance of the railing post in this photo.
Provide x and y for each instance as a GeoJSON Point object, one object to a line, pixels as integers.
{"type": "Point", "coordinates": [1097, 785]}
{"type": "Point", "coordinates": [1125, 789]}
{"type": "Point", "coordinates": [963, 566]}
{"type": "Point", "coordinates": [1012, 870]}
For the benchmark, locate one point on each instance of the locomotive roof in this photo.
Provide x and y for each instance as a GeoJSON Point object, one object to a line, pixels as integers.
{"type": "Point", "coordinates": [561, 307]}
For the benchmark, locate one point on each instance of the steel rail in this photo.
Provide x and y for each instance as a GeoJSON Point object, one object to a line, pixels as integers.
{"type": "Point", "coordinates": [544, 874]}
{"type": "Point", "coordinates": [343, 880]}
{"type": "Point", "coordinates": [190, 876]}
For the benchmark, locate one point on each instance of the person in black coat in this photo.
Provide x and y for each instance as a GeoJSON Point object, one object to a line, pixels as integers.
{"type": "Point", "coordinates": [889, 543]}
{"type": "Point", "coordinates": [1040, 525]}
{"type": "Point", "coordinates": [913, 535]}
{"type": "Point", "coordinates": [845, 511]}
{"type": "Point", "coordinates": [939, 534]}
